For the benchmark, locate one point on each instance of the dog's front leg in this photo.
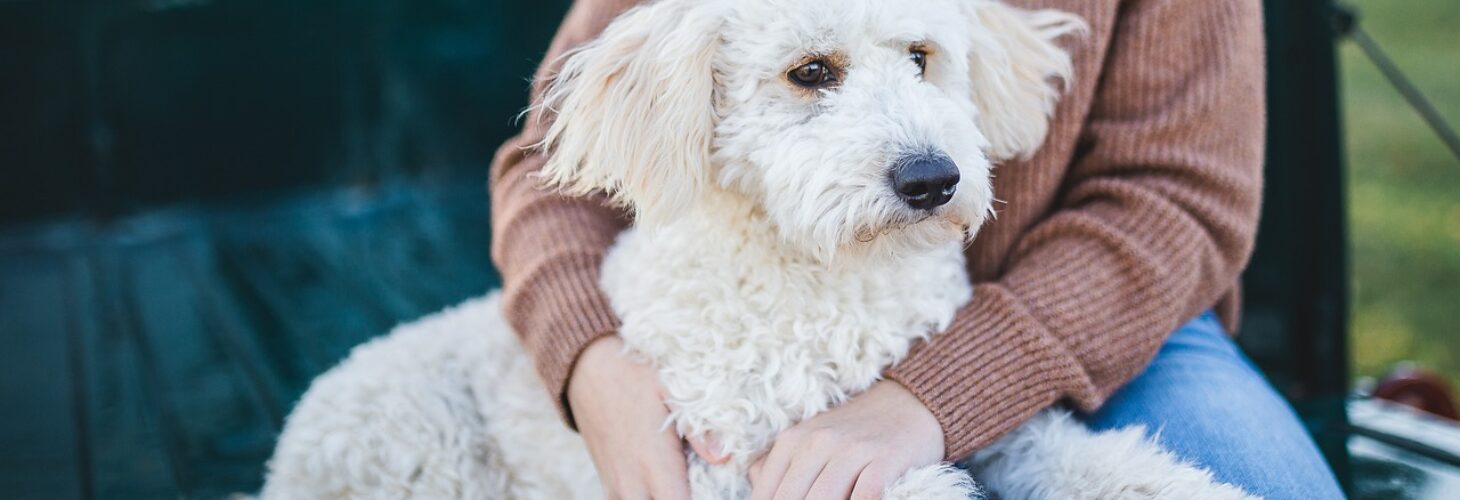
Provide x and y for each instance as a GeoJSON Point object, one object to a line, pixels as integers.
{"type": "Point", "coordinates": [1055, 457]}
{"type": "Point", "coordinates": [934, 482]}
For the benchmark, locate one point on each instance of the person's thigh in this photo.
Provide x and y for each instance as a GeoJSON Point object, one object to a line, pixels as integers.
{"type": "Point", "coordinates": [1203, 400]}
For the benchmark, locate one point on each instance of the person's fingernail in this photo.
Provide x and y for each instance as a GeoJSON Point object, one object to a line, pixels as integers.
{"type": "Point", "coordinates": [714, 446]}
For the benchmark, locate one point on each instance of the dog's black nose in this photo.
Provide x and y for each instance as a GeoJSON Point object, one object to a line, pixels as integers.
{"type": "Point", "coordinates": [925, 181]}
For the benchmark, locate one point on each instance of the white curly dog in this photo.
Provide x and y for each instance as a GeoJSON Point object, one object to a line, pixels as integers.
{"type": "Point", "coordinates": [804, 175]}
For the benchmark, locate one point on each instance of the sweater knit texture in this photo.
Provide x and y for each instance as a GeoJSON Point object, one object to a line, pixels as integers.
{"type": "Point", "coordinates": [1138, 213]}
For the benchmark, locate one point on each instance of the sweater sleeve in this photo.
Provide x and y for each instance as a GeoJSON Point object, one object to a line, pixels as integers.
{"type": "Point", "coordinates": [547, 246]}
{"type": "Point", "coordinates": [1154, 223]}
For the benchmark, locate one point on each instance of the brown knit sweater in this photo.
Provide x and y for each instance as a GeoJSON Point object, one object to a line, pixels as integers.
{"type": "Point", "coordinates": [1138, 213]}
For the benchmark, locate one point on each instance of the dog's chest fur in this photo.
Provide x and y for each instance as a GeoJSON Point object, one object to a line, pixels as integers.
{"type": "Point", "coordinates": [749, 339]}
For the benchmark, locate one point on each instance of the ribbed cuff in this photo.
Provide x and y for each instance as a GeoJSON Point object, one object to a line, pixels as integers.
{"type": "Point", "coordinates": [557, 314]}
{"type": "Point", "coordinates": [993, 369]}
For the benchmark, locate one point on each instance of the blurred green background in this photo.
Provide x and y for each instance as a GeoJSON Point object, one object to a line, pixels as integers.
{"type": "Point", "coordinates": [1404, 191]}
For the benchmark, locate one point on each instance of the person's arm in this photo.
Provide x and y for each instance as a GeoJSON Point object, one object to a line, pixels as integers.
{"type": "Point", "coordinates": [548, 246]}
{"type": "Point", "coordinates": [1155, 222]}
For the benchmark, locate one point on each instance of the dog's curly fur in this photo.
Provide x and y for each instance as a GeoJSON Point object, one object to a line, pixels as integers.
{"type": "Point", "coordinates": [772, 272]}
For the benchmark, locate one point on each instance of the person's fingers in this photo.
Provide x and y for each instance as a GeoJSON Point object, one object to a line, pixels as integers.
{"type": "Point", "coordinates": [624, 494]}
{"type": "Point", "coordinates": [607, 478]}
{"type": "Point", "coordinates": [766, 473]}
{"type": "Point", "coordinates": [871, 482]}
{"type": "Point", "coordinates": [668, 485]}
{"type": "Point", "coordinates": [708, 448]}
{"type": "Point", "coordinates": [638, 492]}
{"type": "Point", "coordinates": [665, 468]}
{"type": "Point", "coordinates": [620, 414]}
{"type": "Point", "coordinates": [802, 473]}
{"type": "Point", "coordinates": [609, 492]}
{"type": "Point", "coordinates": [623, 486]}
{"type": "Point", "coordinates": [837, 479]}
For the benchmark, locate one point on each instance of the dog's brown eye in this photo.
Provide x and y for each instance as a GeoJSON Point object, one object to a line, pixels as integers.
{"type": "Point", "coordinates": [920, 58]}
{"type": "Point", "coordinates": [812, 74]}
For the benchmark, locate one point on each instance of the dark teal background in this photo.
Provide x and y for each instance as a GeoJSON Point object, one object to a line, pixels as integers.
{"type": "Point", "coordinates": [108, 107]}
{"type": "Point", "coordinates": [205, 203]}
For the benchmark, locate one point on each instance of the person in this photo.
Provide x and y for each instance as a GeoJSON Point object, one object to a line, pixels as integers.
{"type": "Point", "coordinates": [1108, 281]}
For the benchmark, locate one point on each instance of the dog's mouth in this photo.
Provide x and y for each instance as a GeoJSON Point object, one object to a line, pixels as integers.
{"type": "Point", "coordinates": [908, 221]}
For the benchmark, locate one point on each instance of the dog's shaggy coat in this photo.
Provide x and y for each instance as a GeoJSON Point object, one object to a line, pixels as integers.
{"type": "Point", "coordinates": [772, 272]}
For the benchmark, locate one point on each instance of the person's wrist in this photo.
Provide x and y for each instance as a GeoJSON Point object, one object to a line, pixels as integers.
{"type": "Point", "coordinates": [591, 362]}
{"type": "Point", "coordinates": [920, 418]}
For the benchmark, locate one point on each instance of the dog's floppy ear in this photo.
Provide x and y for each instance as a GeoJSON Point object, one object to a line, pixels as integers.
{"type": "Point", "coordinates": [1017, 72]}
{"type": "Point", "coordinates": [635, 111]}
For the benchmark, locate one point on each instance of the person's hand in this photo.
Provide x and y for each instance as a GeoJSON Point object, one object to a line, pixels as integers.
{"type": "Point", "coordinates": [854, 450]}
{"type": "Point", "coordinates": [618, 404]}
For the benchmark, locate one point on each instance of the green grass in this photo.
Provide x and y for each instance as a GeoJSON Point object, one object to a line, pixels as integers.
{"type": "Point", "coordinates": [1404, 191]}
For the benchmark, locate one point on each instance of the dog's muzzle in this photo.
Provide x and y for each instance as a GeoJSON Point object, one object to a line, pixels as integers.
{"type": "Point", "coordinates": [925, 181]}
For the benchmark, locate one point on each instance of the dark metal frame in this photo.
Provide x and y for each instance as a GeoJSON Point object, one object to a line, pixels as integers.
{"type": "Point", "coordinates": [1296, 288]}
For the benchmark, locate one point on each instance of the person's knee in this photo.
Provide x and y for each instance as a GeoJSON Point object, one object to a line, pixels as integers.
{"type": "Point", "coordinates": [1203, 400]}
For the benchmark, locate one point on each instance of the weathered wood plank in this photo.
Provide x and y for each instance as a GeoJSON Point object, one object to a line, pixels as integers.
{"type": "Point", "coordinates": [130, 447]}
{"type": "Point", "coordinates": [160, 353]}
{"type": "Point", "coordinates": [216, 414]}
{"type": "Point", "coordinates": [44, 454]}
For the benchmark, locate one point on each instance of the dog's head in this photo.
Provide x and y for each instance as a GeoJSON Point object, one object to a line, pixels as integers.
{"type": "Point", "coordinates": [845, 122]}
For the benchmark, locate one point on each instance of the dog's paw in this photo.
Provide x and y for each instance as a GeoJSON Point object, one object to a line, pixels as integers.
{"type": "Point", "coordinates": [1055, 457]}
{"type": "Point", "coordinates": [935, 482]}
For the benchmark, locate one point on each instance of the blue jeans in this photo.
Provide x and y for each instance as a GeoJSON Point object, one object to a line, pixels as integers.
{"type": "Point", "coordinates": [1203, 400]}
